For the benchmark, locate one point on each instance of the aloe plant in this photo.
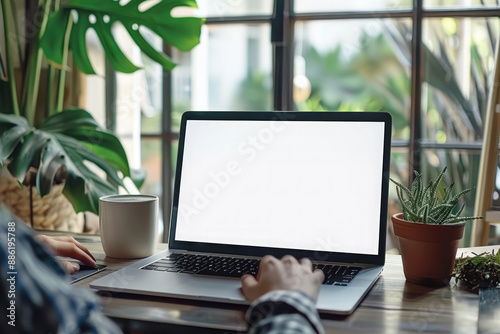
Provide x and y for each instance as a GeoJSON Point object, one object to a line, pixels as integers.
{"type": "Point", "coordinates": [432, 204]}
{"type": "Point", "coordinates": [51, 138]}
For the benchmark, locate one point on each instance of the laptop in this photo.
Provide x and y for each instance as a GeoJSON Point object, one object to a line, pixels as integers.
{"type": "Point", "coordinates": [247, 184]}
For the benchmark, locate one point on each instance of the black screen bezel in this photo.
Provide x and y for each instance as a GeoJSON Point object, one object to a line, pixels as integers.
{"type": "Point", "coordinates": [286, 116]}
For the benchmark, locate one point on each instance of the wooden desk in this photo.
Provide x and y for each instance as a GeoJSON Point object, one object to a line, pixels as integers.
{"type": "Point", "coordinates": [392, 306]}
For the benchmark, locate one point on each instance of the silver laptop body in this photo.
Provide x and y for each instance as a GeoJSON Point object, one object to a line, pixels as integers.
{"type": "Point", "coordinates": [248, 184]}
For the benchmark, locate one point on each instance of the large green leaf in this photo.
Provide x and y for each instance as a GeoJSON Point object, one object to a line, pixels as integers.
{"type": "Point", "coordinates": [113, 52]}
{"type": "Point", "coordinates": [8, 142]}
{"type": "Point", "coordinates": [52, 159]}
{"type": "Point", "coordinates": [84, 185]}
{"type": "Point", "coordinates": [12, 130]}
{"type": "Point", "coordinates": [83, 154]}
{"type": "Point", "coordinates": [27, 153]}
{"type": "Point", "coordinates": [74, 156]}
{"type": "Point", "coordinates": [138, 176]}
{"type": "Point", "coordinates": [10, 120]}
{"type": "Point", "coordinates": [80, 125]}
{"type": "Point", "coordinates": [79, 48]}
{"type": "Point", "coordinates": [159, 57]}
{"type": "Point", "coordinates": [69, 140]}
{"type": "Point", "coordinates": [103, 144]}
{"type": "Point", "coordinates": [52, 40]}
{"type": "Point", "coordinates": [69, 120]}
{"type": "Point", "coordinates": [180, 32]}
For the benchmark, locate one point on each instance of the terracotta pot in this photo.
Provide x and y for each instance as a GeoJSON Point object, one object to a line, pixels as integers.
{"type": "Point", "coordinates": [428, 251]}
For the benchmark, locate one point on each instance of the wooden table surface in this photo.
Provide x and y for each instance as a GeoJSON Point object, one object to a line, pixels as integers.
{"type": "Point", "coordinates": [392, 306]}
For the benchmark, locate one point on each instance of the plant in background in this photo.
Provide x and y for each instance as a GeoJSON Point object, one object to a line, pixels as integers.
{"type": "Point", "coordinates": [365, 82]}
{"type": "Point", "coordinates": [370, 79]}
{"type": "Point", "coordinates": [50, 139]}
{"type": "Point", "coordinates": [431, 204]}
{"type": "Point", "coordinates": [451, 111]}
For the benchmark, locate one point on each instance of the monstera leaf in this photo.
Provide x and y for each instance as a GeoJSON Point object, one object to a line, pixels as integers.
{"type": "Point", "coordinates": [51, 139]}
{"type": "Point", "coordinates": [70, 140]}
{"type": "Point", "coordinates": [80, 15]}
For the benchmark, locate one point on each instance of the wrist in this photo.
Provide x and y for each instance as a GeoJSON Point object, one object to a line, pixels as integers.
{"type": "Point", "coordinates": [281, 302]}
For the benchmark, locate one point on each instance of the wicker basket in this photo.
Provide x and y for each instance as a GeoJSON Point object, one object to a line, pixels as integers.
{"type": "Point", "coordinates": [52, 212]}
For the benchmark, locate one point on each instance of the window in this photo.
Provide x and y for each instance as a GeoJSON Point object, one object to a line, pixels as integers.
{"type": "Point", "coordinates": [427, 62]}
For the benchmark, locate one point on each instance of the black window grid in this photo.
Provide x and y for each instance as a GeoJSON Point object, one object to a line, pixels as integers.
{"type": "Point", "coordinates": [282, 23]}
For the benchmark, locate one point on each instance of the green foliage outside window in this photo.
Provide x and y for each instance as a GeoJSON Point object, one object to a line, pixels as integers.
{"type": "Point", "coordinates": [376, 78]}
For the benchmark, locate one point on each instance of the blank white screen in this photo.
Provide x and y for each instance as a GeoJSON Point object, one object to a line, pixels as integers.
{"type": "Point", "coordinates": [298, 185]}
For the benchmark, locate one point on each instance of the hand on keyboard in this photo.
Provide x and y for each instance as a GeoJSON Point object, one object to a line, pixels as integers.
{"type": "Point", "coordinates": [284, 274]}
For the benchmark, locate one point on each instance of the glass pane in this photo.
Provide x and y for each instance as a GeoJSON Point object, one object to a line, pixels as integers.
{"type": "Point", "coordinates": [138, 98]}
{"type": "Point", "coordinates": [460, 3]}
{"type": "Point", "coordinates": [341, 6]}
{"type": "Point", "coordinates": [149, 89]}
{"type": "Point", "coordinates": [399, 172]}
{"type": "Point", "coordinates": [95, 101]}
{"type": "Point", "coordinates": [463, 171]}
{"type": "Point", "coordinates": [175, 149]}
{"type": "Point", "coordinates": [221, 8]}
{"type": "Point", "coordinates": [364, 65]}
{"type": "Point", "coordinates": [458, 64]}
{"type": "Point", "coordinates": [151, 161]}
{"type": "Point", "coordinates": [230, 70]}
{"type": "Point", "coordinates": [139, 95]}
{"type": "Point", "coordinates": [128, 117]}
{"type": "Point", "coordinates": [494, 234]}
{"type": "Point", "coordinates": [495, 206]}
{"type": "Point", "coordinates": [95, 93]}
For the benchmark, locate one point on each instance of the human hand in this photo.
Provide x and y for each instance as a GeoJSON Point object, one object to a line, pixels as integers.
{"type": "Point", "coordinates": [284, 274]}
{"type": "Point", "coordinates": [67, 246]}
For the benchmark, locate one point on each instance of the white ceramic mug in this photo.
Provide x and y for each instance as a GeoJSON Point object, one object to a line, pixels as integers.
{"type": "Point", "coordinates": [129, 225]}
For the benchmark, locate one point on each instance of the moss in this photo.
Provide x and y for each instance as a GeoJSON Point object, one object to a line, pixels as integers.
{"type": "Point", "coordinates": [479, 271]}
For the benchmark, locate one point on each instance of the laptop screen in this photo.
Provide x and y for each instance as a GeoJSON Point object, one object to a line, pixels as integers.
{"type": "Point", "coordinates": [302, 184]}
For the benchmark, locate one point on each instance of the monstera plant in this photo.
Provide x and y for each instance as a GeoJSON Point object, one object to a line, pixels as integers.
{"type": "Point", "coordinates": [48, 140]}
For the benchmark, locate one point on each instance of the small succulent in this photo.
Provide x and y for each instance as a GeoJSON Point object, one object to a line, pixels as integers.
{"type": "Point", "coordinates": [425, 205]}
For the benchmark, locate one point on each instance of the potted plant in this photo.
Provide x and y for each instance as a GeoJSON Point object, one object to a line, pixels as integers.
{"type": "Point", "coordinates": [44, 146]}
{"type": "Point", "coordinates": [429, 229]}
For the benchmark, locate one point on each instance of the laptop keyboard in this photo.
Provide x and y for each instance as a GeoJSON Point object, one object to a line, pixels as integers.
{"type": "Point", "coordinates": [237, 267]}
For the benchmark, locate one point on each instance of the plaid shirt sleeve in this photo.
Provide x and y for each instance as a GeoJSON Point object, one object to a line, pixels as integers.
{"type": "Point", "coordinates": [283, 312]}
{"type": "Point", "coordinates": [36, 289]}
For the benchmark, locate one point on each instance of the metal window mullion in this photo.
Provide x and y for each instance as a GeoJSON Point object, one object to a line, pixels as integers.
{"type": "Point", "coordinates": [466, 12]}
{"type": "Point", "coordinates": [110, 96]}
{"type": "Point", "coordinates": [239, 19]}
{"type": "Point", "coordinates": [281, 32]}
{"type": "Point", "coordinates": [416, 90]}
{"type": "Point", "coordinates": [451, 146]}
{"type": "Point", "coordinates": [289, 61]}
{"type": "Point", "coordinates": [354, 15]}
{"type": "Point", "coordinates": [166, 147]}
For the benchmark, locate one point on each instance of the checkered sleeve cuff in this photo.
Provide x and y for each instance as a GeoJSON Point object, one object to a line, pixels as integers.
{"type": "Point", "coordinates": [283, 311]}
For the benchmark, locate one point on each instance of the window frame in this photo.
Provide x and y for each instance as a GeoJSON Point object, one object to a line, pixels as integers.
{"type": "Point", "coordinates": [282, 22]}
